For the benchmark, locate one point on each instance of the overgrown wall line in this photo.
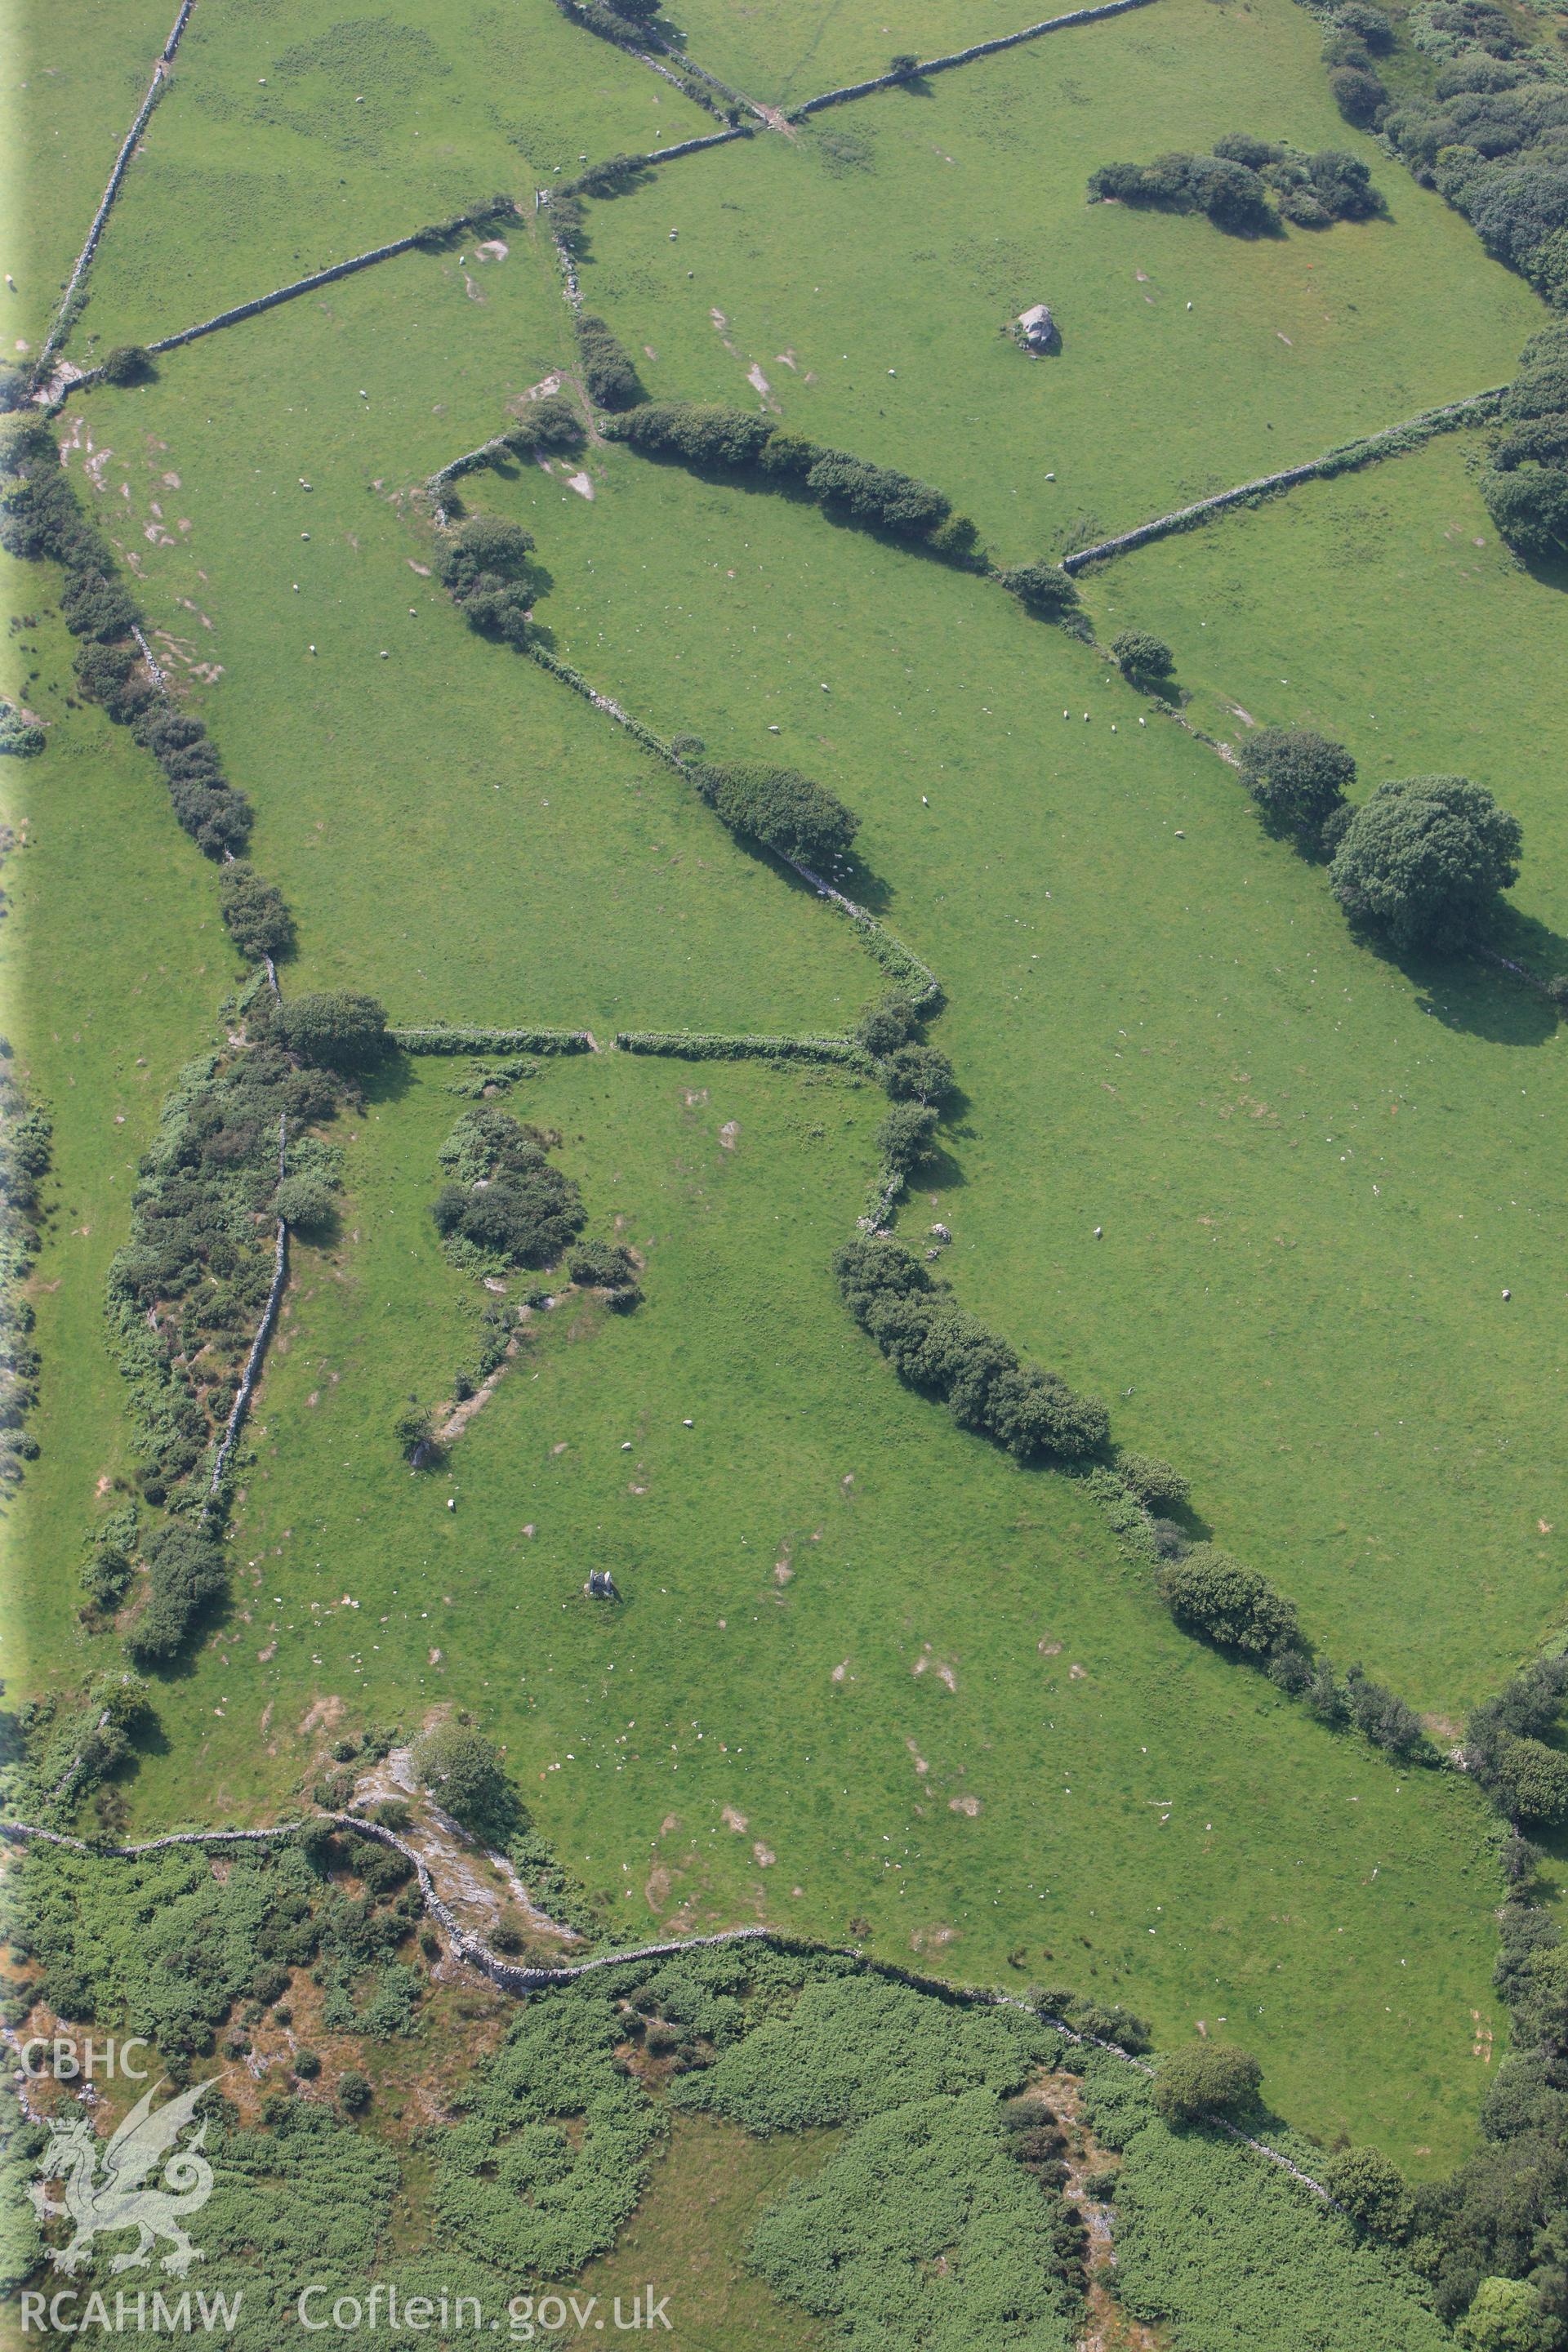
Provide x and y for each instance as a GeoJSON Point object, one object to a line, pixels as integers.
{"type": "Point", "coordinates": [494, 1041]}
{"type": "Point", "coordinates": [263, 1330]}
{"type": "Point", "coordinates": [692, 1046]}
{"type": "Point", "coordinates": [84, 259]}
{"type": "Point", "coordinates": [1392, 441]}
{"type": "Point", "coordinates": [964, 56]}
{"type": "Point", "coordinates": [511, 1977]}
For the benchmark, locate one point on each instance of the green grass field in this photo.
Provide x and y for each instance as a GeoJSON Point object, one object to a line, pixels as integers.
{"type": "Point", "coordinates": [920, 224]}
{"type": "Point", "coordinates": [264, 164]}
{"type": "Point", "coordinates": [1306, 1159]}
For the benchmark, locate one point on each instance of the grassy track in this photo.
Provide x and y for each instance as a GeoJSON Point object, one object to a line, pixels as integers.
{"type": "Point", "coordinates": [920, 224]}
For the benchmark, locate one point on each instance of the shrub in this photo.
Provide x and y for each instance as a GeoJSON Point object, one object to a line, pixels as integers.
{"type": "Point", "coordinates": [878, 496]}
{"type": "Point", "coordinates": [1231, 1605]}
{"type": "Point", "coordinates": [127, 363]}
{"type": "Point", "coordinates": [551, 423]}
{"type": "Point", "coordinates": [20, 739]}
{"type": "Point", "coordinates": [1230, 193]}
{"type": "Point", "coordinates": [307, 2065]}
{"type": "Point", "coordinates": [1358, 93]}
{"type": "Point", "coordinates": [1425, 859]}
{"type": "Point", "coordinates": [1380, 1715]}
{"type": "Point", "coordinates": [337, 1028]}
{"type": "Point", "coordinates": [1298, 778]}
{"type": "Point", "coordinates": [354, 2091]}
{"type": "Point", "coordinates": [1369, 25]}
{"type": "Point", "coordinates": [510, 1207]}
{"type": "Point", "coordinates": [1210, 2078]}
{"type": "Point", "coordinates": [186, 1571]}
{"type": "Point", "coordinates": [462, 1770]}
{"type": "Point", "coordinates": [1530, 507]}
{"type": "Point", "coordinates": [305, 1199]}
{"type": "Point", "coordinates": [414, 1431]}
{"type": "Point", "coordinates": [1043, 589]}
{"type": "Point", "coordinates": [259, 922]}
{"type": "Point", "coordinates": [484, 547]}
{"type": "Point", "coordinates": [700, 435]}
{"type": "Point", "coordinates": [918, 1074]}
{"type": "Point", "coordinates": [1157, 1485]}
{"type": "Point", "coordinates": [1371, 2190]}
{"type": "Point", "coordinates": [886, 1025]}
{"type": "Point", "coordinates": [94, 604]}
{"type": "Point", "coordinates": [1533, 1781]}
{"type": "Point", "coordinates": [907, 1137]}
{"type": "Point", "coordinates": [779, 807]}
{"type": "Point", "coordinates": [609, 375]}
{"type": "Point", "coordinates": [1143, 660]}
{"type": "Point", "coordinates": [603, 1265]}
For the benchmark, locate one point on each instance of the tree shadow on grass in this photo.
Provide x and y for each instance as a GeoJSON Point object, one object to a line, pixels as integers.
{"type": "Point", "coordinates": [1468, 995]}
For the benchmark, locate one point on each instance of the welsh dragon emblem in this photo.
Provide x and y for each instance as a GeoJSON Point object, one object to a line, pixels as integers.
{"type": "Point", "coordinates": [103, 2185]}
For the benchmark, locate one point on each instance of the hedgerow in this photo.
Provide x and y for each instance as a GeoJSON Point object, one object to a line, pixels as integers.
{"type": "Point", "coordinates": [609, 373]}
{"type": "Point", "coordinates": [25, 1134]}
{"type": "Point", "coordinates": [186, 1291]}
{"type": "Point", "coordinates": [41, 520]}
{"type": "Point", "coordinates": [693, 1045]}
{"type": "Point", "coordinates": [729, 440]}
{"type": "Point", "coordinates": [933, 1344]}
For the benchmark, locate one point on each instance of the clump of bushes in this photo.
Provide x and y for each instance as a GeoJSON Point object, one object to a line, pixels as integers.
{"type": "Point", "coordinates": [184, 1573]}
{"type": "Point", "coordinates": [907, 1138]}
{"type": "Point", "coordinates": [1526, 483]}
{"type": "Point", "coordinates": [1211, 2078]}
{"type": "Point", "coordinates": [934, 1345]}
{"type": "Point", "coordinates": [508, 1206]}
{"type": "Point", "coordinates": [779, 807]}
{"type": "Point", "coordinates": [1144, 661]}
{"type": "Point", "coordinates": [335, 1029]}
{"type": "Point", "coordinates": [256, 917]}
{"type": "Point", "coordinates": [486, 569]}
{"type": "Point", "coordinates": [1506, 1750]}
{"type": "Point", "coordinates": [413, 1431]}
{"type": "Point", "coordinates": [127, 363]}
{"type": "Point", "coordinates": [609, 373]}
{"type": "Point", "coordinates": [20, 739]}
{"type": "Point", "coordinates": [608, 1267]}
{"type": "Point", "coordinates": [551, 423]}
{"type": "Point", "coordinates": [877, 498]}
{"type": "Point", "coordinates": [1423, 860]}
{"type": "Point", "coordinates": [1247, 184]}
{"type": "Point", "coordinates": [1299, 780]}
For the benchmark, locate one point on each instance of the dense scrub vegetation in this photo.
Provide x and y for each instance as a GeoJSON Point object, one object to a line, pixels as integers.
{"type": "Point", "coordinates": [25, 1133]}
{"type": "Point", "coordinates": [506, 1205]}
{"type": "Point", "coordinates": [235, 1149]}
{"type": "Point", "coordinates": [1299, 780]}
{"type": "Point", "coordinates": [1277, 2268]}
{"type": "Point", "coordinates": [1526, 484]}
{"type": "Point", "coordinates": [1247, 185]}
{"type": "Point", "coordinates": [486, 566]}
